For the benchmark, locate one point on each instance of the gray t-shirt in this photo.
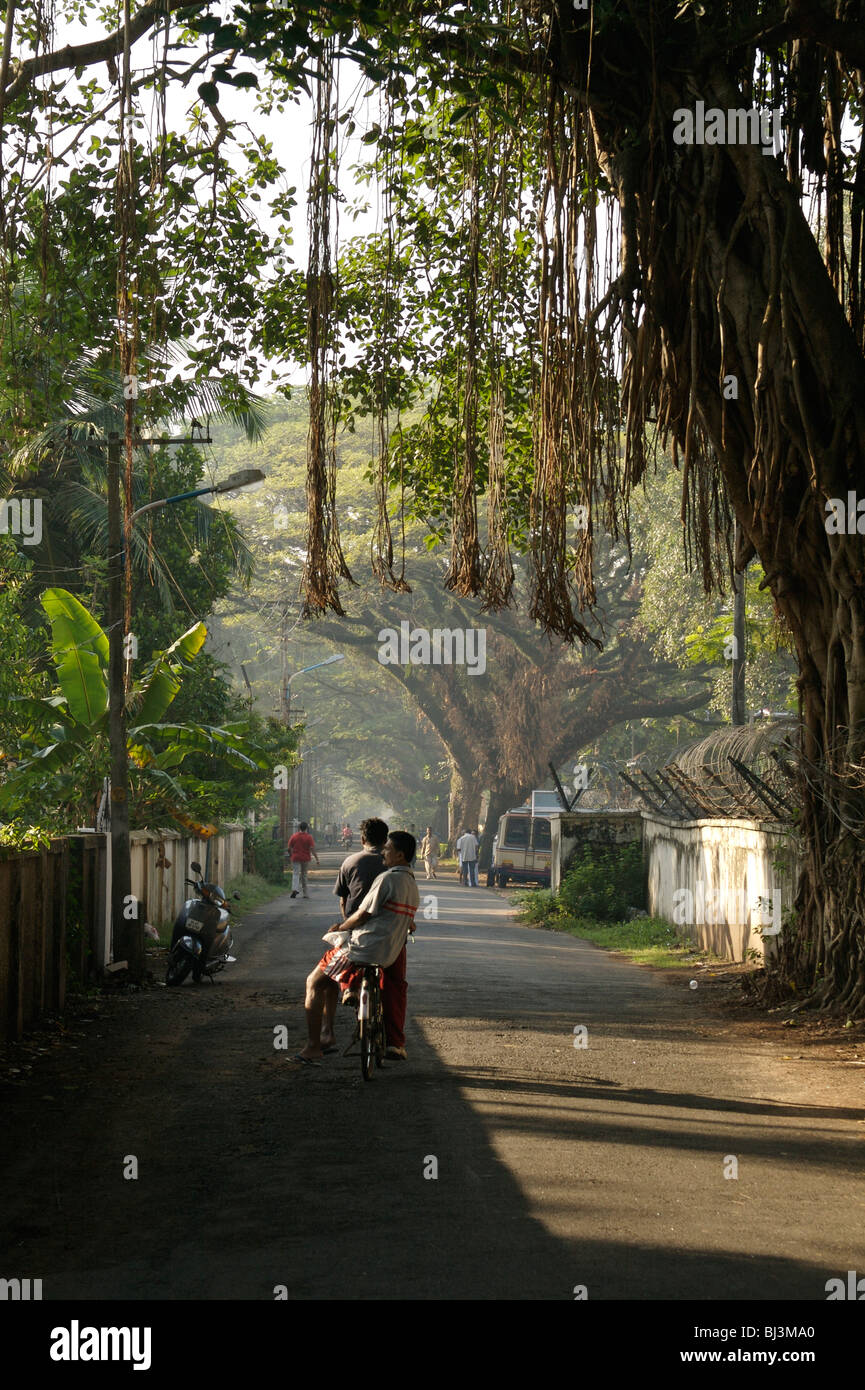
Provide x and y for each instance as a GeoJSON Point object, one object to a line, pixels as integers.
{"type": "Point", "coordinates": [356, 876]}
{"type": "Point", "coordinates": [391, 902]}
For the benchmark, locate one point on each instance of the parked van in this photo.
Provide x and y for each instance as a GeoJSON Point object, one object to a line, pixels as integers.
{"type": "Point", "coordinates": [521, 849]}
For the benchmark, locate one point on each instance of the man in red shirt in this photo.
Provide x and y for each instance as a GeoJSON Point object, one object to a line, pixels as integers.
{"type": "Point", "coordinates": [301, 848]}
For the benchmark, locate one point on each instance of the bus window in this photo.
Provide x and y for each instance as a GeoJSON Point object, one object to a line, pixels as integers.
{"type": "Point", "coordinates": [541, 834]}
{"type": "Point", "coordinates": [516, 834]}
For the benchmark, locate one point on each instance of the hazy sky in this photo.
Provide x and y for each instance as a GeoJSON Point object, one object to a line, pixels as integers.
{"type": "Point", "coordinates": [290, 133]}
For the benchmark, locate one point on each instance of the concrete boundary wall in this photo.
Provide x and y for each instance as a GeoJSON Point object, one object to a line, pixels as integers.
{"type": "Point", "coordinates": [160, 863]}
{"type": "Point", "coordinates": [569, 832]}
{"type": "Point", "coordinates": [705, 876]}
{"type": "Point", "coordinates": [724, 866]}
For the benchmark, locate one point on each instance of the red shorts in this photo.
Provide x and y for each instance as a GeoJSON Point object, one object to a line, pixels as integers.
{"type": "Point", "coordinates": [336, 965]}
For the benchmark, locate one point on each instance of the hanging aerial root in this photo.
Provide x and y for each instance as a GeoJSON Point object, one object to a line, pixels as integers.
{"type": "Point", "coordinates": [465, 574]}
{"type": "Point", "coordinates": [325, 563]}
{"type": "Point", "coordinates": [499, 570]}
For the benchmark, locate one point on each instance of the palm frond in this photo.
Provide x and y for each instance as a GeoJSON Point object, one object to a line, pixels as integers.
{"type": "Point", "coordinates": [222, 400]}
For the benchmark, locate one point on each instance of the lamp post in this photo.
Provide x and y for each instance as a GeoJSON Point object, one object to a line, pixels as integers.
{"type": "Point", "coordinates": [286, 713]}
{"type": "Point", "coordinates": [243, 478]}
{"type": "Point", "coordinates": [127, 937]}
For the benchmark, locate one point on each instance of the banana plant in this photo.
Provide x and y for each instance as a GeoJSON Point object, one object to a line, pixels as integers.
{"type": "Point", "coordinates": [64, 750]}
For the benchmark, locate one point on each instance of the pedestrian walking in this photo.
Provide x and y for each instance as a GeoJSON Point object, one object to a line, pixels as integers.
{"type": "Point", "coordinates": [467, 849]}
{"type": "Point", "coordinates": [301, 849]}
{"type": "Point", "coordinates": [429, 852]}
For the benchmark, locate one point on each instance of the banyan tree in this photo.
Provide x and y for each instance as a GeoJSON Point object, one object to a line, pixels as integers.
{"type": "Point", "coordinates": [604, 228]}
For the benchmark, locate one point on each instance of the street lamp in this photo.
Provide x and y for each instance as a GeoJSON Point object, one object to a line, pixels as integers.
{"type": "Point", "coordinates": [127, 937]}
{"type": "Point", "coordinates": [243, 478]}
{"type": "Point", "coordinates": [286, 708]}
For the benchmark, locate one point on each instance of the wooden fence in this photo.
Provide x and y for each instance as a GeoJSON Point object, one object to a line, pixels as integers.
{"type": "Point", "coordinates": [160, 867]}
{"type": "Point", "coordinates": [54, 918]}
{"type": "Point", "coordinates": [50, 903]}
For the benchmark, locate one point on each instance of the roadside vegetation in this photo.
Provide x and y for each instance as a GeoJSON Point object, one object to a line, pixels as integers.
{"type": "Point", "coordinates": [601, 900]}
{"type": "Point", "coordinates": [255, 891]}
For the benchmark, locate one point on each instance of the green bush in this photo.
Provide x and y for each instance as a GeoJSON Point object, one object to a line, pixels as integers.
{"type": "Point", "coordinates": [537, 905]}
{"type": "Point", "coordinates": [605, 883]}
{"type": "Point", "coordinates": [265, 853]}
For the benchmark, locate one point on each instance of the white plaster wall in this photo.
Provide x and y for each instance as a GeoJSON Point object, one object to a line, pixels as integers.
{"type": "Point", "coordinates": [732, 859]}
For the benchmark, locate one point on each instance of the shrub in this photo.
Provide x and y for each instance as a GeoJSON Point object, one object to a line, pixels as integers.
{"type": "Point", "coordinates": [265, 853]}
{"type": "Point", "coordinates": [605, 882]}
{"type": "Point", "coordinates": [538, 905]}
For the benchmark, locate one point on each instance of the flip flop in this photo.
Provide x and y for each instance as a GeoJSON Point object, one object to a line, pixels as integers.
{"type": "Point", "coordinates": [332, 1048]}
{"type": "Point", "coordinates": [307, 1061]}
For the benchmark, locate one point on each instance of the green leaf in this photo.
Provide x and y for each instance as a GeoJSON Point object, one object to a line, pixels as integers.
{"type": "Point", "coordinates": [80, 652]}
{"type": "Point", "coordinates": [197, 738]}
{"type": "Point", "coordinates": [164, 680]}
{"type": "Point", "coordinates": [190, 643]}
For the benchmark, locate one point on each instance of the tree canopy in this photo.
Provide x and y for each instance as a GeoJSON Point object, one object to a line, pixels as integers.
{"type": "Point", "coordinates": [562, 280]}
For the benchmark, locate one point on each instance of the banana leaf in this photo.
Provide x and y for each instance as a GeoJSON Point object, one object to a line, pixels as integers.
{"type": "Point", "coordinates": [196, 738]}
{"type": "Point", "coordinates": [163, 682]}
{"type": "Point", "coordinates": [80, 652]}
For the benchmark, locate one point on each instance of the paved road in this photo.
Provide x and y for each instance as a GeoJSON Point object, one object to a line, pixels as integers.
{"type": "Point", "coordinates": [556, 1166]}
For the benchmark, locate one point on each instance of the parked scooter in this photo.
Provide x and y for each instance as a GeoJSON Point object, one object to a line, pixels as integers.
{"type": "Point", "coordinates": [202, 938]}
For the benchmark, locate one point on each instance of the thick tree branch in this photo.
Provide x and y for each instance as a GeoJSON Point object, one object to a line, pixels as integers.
{"type": "Point", "coordinates": [83, 55]}
{"type": "Point", "coordinates": [808, 19]}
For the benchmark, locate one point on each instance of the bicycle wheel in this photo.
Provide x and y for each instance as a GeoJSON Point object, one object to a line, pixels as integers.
{"type": "Point", "coordinates": [366, 1028]}
{"type": "Point", "coordinates": [380, 1033]}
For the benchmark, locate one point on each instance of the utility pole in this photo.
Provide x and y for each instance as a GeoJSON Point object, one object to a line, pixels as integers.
{"type": "Point", "coordinates": [737, 706]}
{"type": "Point", "coordinates": [287, 714]}
{"type": "Point", "coordinates": [127, 933]}
{"type": "Point", "coordinates": [127, 936]}
{"type": "Point", "coordinates": [283, 795]}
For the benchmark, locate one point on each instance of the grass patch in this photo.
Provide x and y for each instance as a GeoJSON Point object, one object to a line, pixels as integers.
{"type": "Point", "coordinates": [255, 891]}
{"type": "Point", "coordinates": [644, 940]}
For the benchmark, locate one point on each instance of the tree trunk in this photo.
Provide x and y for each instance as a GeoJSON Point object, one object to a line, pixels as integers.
{"type": "Point", "coordinates": [464, 804]}
{"type": "Point", "coordinates": [743, 349]}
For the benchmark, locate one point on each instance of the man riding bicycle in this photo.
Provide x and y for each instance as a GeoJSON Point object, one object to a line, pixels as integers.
{"type": "Point", "coordinates": [374, 934]}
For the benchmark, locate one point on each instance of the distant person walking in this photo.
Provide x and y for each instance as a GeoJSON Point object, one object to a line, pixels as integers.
{"type": "Point", "coordinates": [301, 849]}
{"type": "Point", "coordinates": [467, 849]}
{"type": "Point", "coordinates": [429, 852]}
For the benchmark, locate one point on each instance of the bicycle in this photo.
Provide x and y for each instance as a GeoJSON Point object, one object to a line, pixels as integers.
{"type": "Point", "coordinates": [370, 1022]}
